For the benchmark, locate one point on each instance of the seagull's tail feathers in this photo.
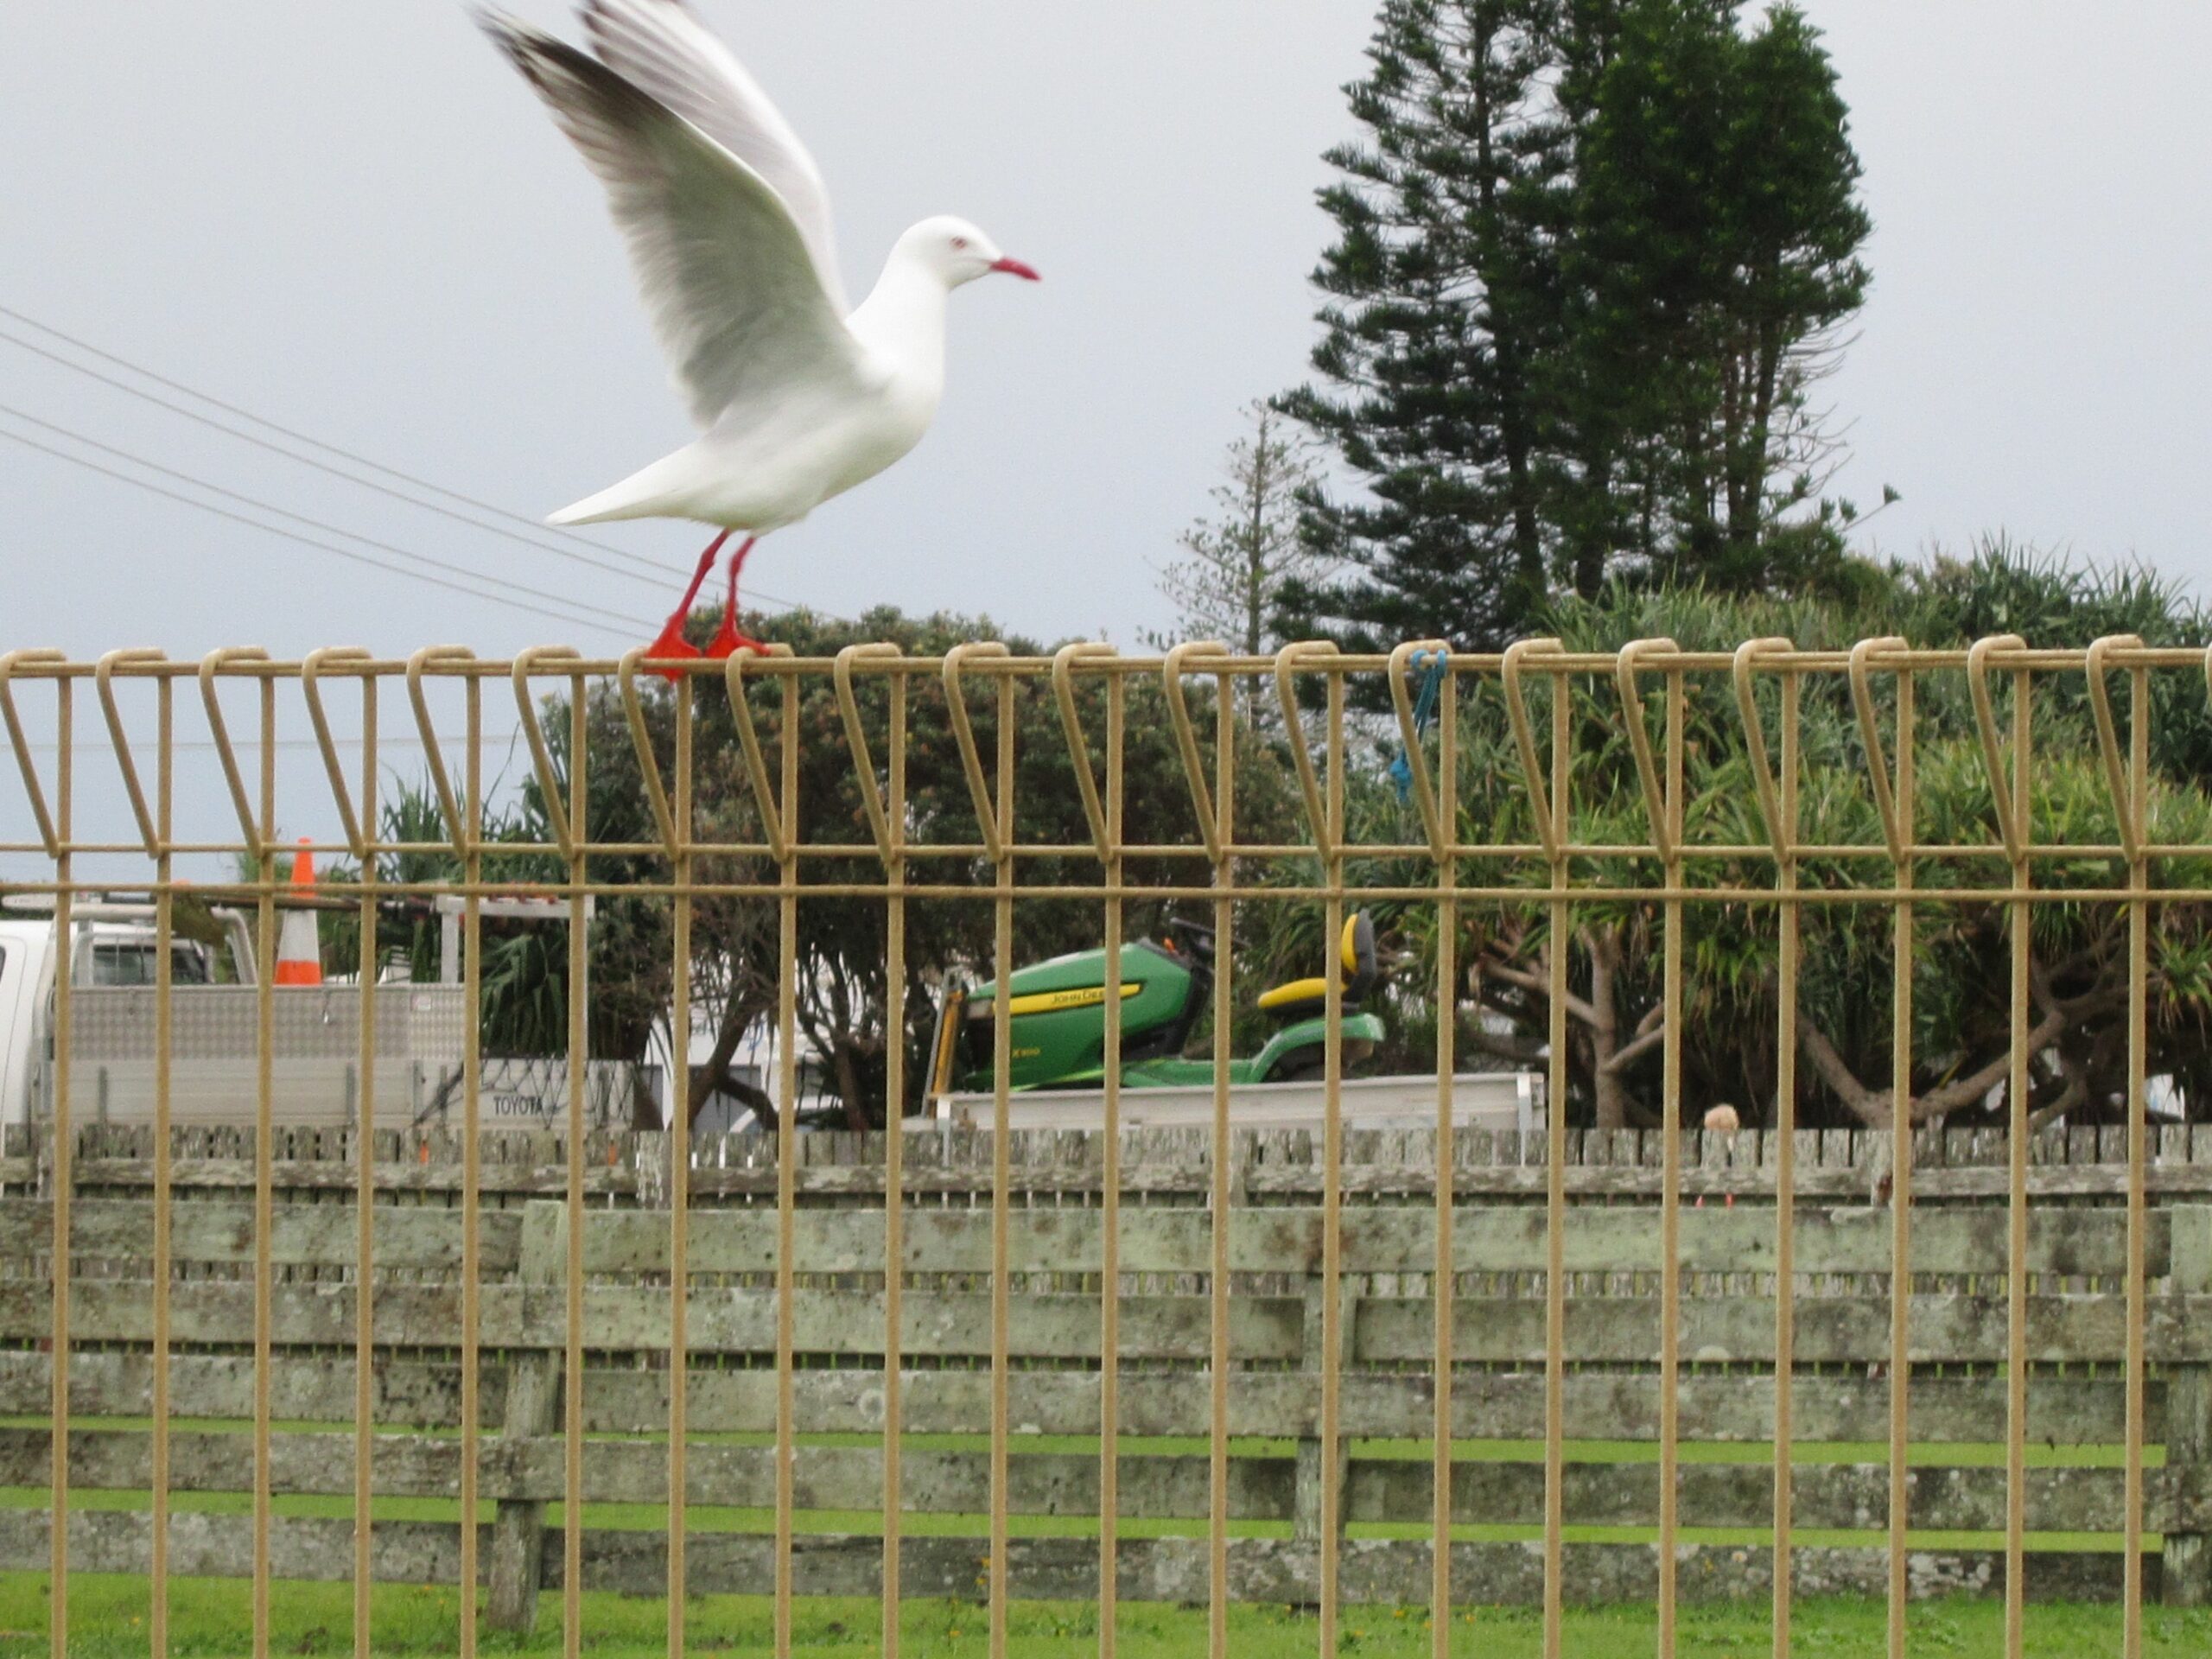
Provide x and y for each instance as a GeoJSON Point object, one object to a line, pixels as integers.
{"type": "Point", "coordinates": [605, 506]}
{"type": "Point", "coordinates": [660, 490]}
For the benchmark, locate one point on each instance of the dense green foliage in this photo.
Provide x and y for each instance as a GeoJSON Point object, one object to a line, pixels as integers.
{"type": "Point", "coordinates": [841, 940]}
{"type": "Point", "coordinates": [1961, 955]}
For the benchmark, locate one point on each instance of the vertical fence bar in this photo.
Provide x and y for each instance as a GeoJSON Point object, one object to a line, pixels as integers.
{"type": "Point", "coordinates": [2131, 808]}
{"type": "Point", "coordinates": [2139, 951]}
{"type": "Point", "coordinates": [265, 1134]}
{"type": "Point", "coordinates": [1109, 1233]}
{"type": "Point", "coordinates": [1670, 1217]}
{"type": "Point", "coordinates": [1001, 1172]}
{"type": "Point", "coordinates": [1548, 818]}
{"type": "Point", "coordinates": [1445, 1282]}
{"type": "Point", "coordinates": [1785, 1182]}
{"type": "Point", "coordinates": [894, 1166]}
{"type": "Point", "coordinates": [1663, 811]}
{"type": "Point", "coordinates": [1332, 1163]}
{"type": "Point", "coordinates": [365, 1186]}
{"type": "Point", "coordinates": [472, 1082]}
{"type": "Point", "coordinates": [1778, 808]}
{"type": "Point", "coordinates": [2020, 1134]}
{"type": "Point", "coordinates": [1555, 1104]}
{"type": "Point", "coordinates": [572, 1402]}
{"type": "Point", "coordinates": [678, 1143]}
{"type": "Point", "coordinates": [1224, 968]}
{"type": "Point", "coordinates": [157, 1611]}
{"type": "Point", "coordinates": [1901, 1150]}
{"type": "Point", "coordinates": [787, 1157]}
{"type": "Point", "coordinates": [64, 1156]}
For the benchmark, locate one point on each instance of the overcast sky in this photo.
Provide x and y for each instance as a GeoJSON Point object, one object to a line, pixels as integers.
{"type": "Point", "coordinates": [357, 221]}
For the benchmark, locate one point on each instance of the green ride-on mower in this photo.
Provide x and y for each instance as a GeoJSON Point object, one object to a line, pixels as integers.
{"type": "Point", "coordinates": [1057, 1022]}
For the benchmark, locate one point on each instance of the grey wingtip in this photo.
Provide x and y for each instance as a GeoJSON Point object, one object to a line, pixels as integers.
{"type": "Point", "coordinates": [508, 32]}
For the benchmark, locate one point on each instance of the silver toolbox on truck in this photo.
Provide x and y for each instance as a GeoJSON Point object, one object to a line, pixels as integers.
{"type": "Point", "coordinates": [315, 1057]}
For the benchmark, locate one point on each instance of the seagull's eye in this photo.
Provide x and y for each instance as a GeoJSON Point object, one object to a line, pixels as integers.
{"type": "Point", "coordinates": [959, 241]}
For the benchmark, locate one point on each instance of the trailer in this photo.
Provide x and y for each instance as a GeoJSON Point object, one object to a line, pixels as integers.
{"type": "Point", "coordinates": [1480, 1100]}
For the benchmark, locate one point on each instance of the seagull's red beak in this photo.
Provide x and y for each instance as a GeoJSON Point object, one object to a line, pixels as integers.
{"type": "Point", "coordinates": [1016, 268]}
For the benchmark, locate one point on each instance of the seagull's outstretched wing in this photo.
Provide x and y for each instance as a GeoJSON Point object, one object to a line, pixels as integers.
{"type": "Point", "coordinates": [736, 296]}
{"type": "Point", "coordinates": [661, 47]}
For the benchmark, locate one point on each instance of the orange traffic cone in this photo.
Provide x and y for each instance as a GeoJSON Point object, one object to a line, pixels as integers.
{"type": "Point", "coordinates": [299, 951]}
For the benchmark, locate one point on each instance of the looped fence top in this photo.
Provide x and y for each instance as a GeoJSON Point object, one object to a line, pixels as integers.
{"type": "Point", "coordinates": [1063, 666]}
{"type": "Point", "coordinates": [1511, 672]}
{"type": "Point", "coordinates": [857, 740]}
{"type": "Point", "coordinates": [765, 800]}
{"type": "Point", "coordinates": [1289, 660]}
{"type": "Point", "coordinates": [1745, 666]}
{"type": "Point", "coordinates": [963, 732]}
{"type": "Point", "coordinates": [1436, 656]}
{"type": "Point", "coordinates": [2125, 806]}
{"type": "Point", "coordinates": [104, 675]}
{"type": "Point", "coordinates": [211, 667]}
{"type": "Point", "coordinates": [2001, 782]}
{"type": "Point", "coordinates": [1192, 657]}
{"type": "Point", "coordinates": [1658, 804]}
{"type": "Point", "coordinates": [341, 794]}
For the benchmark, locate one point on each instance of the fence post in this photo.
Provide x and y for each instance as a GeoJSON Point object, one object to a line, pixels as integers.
{"type": "Point", "coordinates": [1305, 1516]}
{"type": "Point", "coordinates": [533, 1383]}
{"type": "Point", "coordinates": [2186, 1568]}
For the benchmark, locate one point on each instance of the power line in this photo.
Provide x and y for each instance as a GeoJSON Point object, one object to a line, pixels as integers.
{"type": "Point", "coordinates": [340, 472]}
{"type": "Point", "coordinates": [283, 512]}
{"type": "Point", "coordinates": [540, 534]}
{"type": "Point", "coordinates": [384, 742]}
{"type": "Point", "coordinates": [307, 540]}
{"type": "Point", "coordinates": [297, 436]}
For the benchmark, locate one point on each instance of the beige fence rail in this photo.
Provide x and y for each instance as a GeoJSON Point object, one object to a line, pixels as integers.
{"type": "Point", "coordinates": [1778, 1320]}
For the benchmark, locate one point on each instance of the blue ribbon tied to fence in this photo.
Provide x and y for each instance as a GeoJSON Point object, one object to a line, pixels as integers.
{"type": "Point", "coordinates": [1430, 665]}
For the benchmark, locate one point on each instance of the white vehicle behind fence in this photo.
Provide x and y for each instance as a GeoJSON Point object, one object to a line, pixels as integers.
{"type": "Point", "coordinates": [315, 1075]}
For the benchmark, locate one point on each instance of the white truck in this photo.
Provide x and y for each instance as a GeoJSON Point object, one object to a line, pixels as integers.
{"type": "Point", "coordinates": [215, 1025]}
{"type": "Point", "coordinates": [314, 1070]}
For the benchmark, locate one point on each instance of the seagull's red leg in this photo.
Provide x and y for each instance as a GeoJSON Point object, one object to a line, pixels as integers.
{"type": "Point", "coordinates": [727, 638]}
{"type": "Point", "coordinates": [671, 644]}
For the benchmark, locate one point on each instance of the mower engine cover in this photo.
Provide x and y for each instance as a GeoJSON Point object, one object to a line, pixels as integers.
{"type": "Point", "coordinates": [1057, 1016]}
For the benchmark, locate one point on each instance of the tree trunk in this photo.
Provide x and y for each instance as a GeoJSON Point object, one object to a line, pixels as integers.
{"type": "Point", "coordinates": [1590, 526]}
{"type": "Point", "coordinates": [739, 1015]}
{"type": "Point", "coordinates": [1608, 1094]}
{"type": "Point", "coordinates": [844, 1057]}
{"type": "Point", "coordinates": [1492, 256]}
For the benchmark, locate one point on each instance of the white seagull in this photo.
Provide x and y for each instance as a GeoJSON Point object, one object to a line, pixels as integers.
{"type": "Point", "coordinates": [800, 396]}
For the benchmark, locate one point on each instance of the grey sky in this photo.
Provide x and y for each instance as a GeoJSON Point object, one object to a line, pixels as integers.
{"type": "Point", "coordinates": [368, 229]}
{"type": "Point", "coordinates": [357, 221]}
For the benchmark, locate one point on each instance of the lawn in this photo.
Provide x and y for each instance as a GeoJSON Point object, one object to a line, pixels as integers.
{"type": "Point", "coordinates": [210, 1618]}
{"type": "Point", "coordinates": [730, 1518]}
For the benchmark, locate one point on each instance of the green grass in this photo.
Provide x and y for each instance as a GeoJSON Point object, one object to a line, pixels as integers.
{"type": "Point", "coordinates": [210, 1618]}
{"type": "Point", "coordinates": [732, 1518]}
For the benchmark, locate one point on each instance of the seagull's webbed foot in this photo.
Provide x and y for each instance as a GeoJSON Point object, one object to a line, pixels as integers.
{"type": "Point", "coordinates": [727, 642]}
{"type": "Point", "coordinates": [671, 645]}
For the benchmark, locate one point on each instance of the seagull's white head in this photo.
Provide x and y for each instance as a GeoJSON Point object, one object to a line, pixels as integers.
{"type": "Point", "coordinates": [955, 252]}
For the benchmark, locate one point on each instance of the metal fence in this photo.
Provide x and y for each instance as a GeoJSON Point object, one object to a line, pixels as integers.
{"type": "Point", "coordinates": [1316, 692]}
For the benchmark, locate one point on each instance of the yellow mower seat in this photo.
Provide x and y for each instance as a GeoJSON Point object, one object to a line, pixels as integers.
{"type": "Point", "coordinates": [1303, 999]}
{"type": "Point", "coordinates": [1290, 1000]}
